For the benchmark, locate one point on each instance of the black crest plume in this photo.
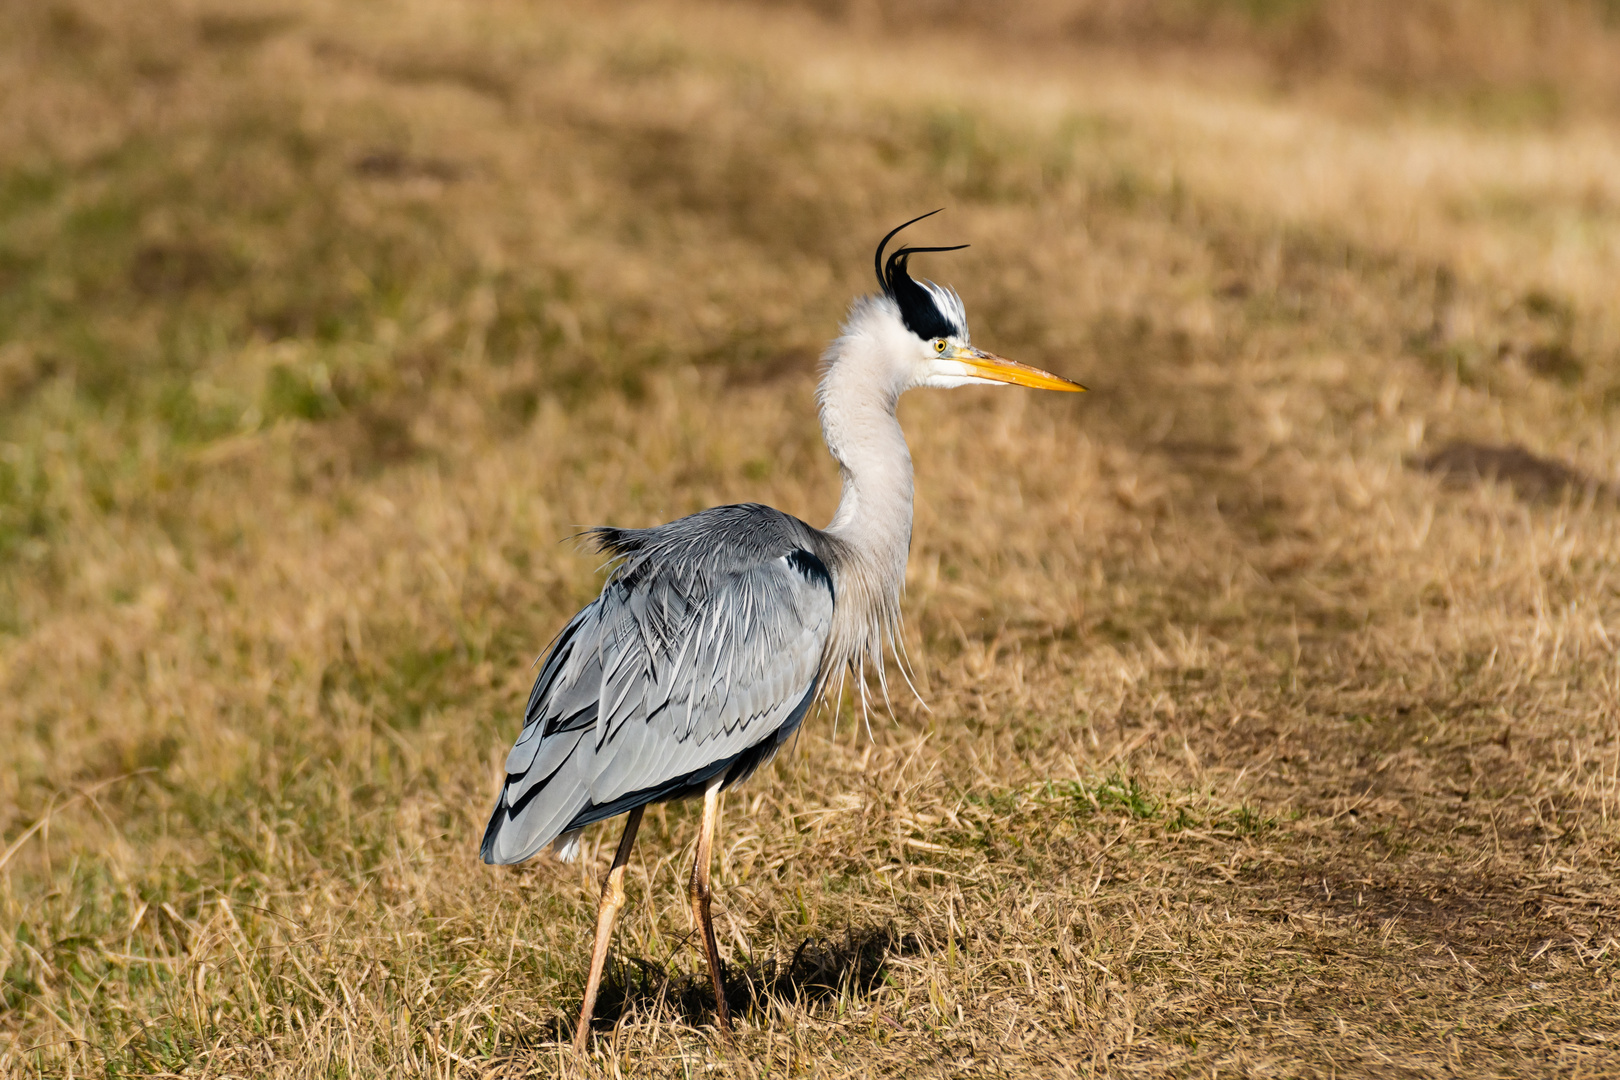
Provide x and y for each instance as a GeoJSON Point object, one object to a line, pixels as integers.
{"type": "Point", "coordinates": [917, 308]}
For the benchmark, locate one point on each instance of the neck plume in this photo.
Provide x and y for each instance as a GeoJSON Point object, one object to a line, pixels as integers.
{"type": "Point", "coordinates": [872, 528]}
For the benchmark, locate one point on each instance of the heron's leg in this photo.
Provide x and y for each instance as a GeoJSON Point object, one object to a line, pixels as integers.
{"type": "Point", "coordinates": [700, 900]}
{"type": "Point", "coordinates": [606, 912]}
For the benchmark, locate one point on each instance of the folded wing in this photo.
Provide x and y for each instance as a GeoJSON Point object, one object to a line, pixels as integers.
{"type": "Point", "coordinates": [701, 656]}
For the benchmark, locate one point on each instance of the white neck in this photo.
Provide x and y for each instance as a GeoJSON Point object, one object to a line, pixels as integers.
{"type": "Point", "coordinates": [860, 386]}
{"type": "Point", "coordinates": [874, 513]}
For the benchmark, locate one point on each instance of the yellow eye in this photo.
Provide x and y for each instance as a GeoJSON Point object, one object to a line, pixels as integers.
{"type": "Point", "coordinates": [939, 344]}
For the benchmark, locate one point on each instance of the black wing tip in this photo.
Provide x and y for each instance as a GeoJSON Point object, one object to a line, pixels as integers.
{"type": "Point", "coordinates": [486, 850]}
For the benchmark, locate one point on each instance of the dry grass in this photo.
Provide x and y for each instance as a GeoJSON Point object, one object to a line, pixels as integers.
{"type": "Point", "coordinates": [1518, 59]}
{"type": "Point", "coordinates": [1275, 704]}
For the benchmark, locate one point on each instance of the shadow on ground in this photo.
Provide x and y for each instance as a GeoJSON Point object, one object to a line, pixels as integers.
{"type": "Point", "coordinates": [819, 969]}
{"type": "Point", "coordinates": [1535, 479]}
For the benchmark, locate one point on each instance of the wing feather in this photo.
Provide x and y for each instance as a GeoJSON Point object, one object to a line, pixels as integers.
{"type": "Point", "coordinates": [701, 653]}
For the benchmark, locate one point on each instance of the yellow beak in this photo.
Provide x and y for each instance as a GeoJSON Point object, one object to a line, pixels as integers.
{"type": "Point", "coordinates": [1000, 369]}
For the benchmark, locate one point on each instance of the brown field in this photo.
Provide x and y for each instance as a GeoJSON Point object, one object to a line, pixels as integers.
{"type": "Point", "coordinates": [1273, 693]}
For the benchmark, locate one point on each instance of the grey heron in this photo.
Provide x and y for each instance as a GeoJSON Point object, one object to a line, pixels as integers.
{"type": "Point", "coordinates": [714, 634]}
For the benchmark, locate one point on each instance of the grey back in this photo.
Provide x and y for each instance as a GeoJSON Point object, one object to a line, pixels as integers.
{"type": "Point", "coordinates": [700, 657]}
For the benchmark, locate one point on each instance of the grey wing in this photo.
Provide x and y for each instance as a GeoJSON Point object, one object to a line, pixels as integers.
{"type": "Point", "coordinates": [662, 683]}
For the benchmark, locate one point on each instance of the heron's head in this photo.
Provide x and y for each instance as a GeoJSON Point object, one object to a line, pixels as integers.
{"type": "Point", "coordinates": [937, 349]}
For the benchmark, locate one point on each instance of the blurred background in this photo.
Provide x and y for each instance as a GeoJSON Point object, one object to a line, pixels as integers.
{"type": "Point", "coordinates": [322, 324]}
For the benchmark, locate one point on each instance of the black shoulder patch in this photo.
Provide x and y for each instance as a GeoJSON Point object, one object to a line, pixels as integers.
{"type": "Point", "coordinates": [810, 567]}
